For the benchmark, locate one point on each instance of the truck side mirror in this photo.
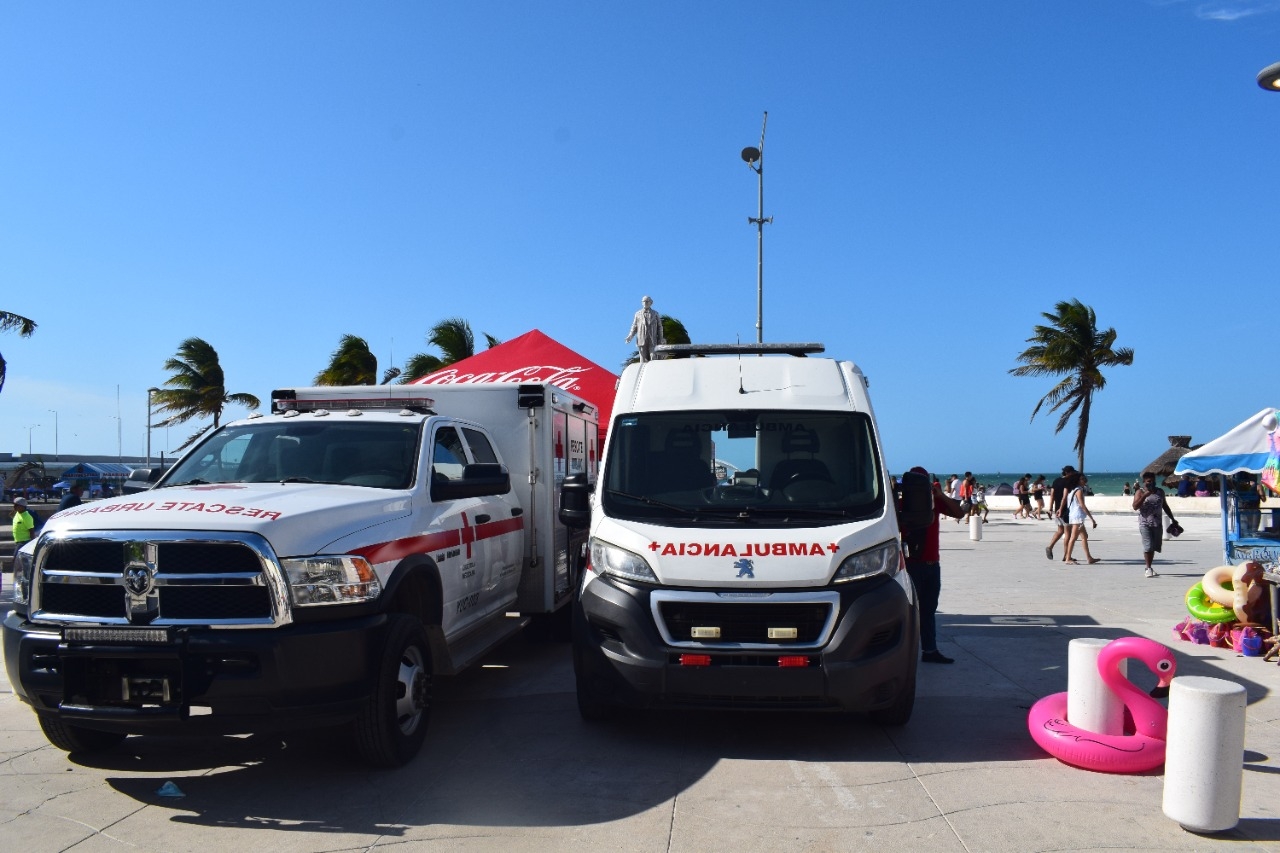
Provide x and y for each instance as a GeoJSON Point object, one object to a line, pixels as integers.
{"type": "Point", "coordinates": [575, 502]}
{"type": "Point", "coordinates": [478, 480]}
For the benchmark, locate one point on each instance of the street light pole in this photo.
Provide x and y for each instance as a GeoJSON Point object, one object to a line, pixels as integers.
{"type": "Point", "coordinates": [754, 158]}
{"type": "Point", "coordinates": [55, 435]}
{"type": "Point", "coordinates": [150, 391]}
{"type": "Point", "coordinates": [29, 429]}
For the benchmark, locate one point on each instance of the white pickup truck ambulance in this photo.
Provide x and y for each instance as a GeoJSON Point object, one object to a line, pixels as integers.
{"type": "Point", "coordinates": [781, 586]}
{"type": "Point", "coordinates": [313, 566]}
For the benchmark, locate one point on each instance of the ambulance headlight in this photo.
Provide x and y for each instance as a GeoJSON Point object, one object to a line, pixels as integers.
{"type": "Point", "coordinates": [23, 561]}
{"type": "Point", "coordinates": [331, 580]}
{"type": "Point", "coordinates": [609, 559]}
{"type": "Point", "coordinates": [880, 560]}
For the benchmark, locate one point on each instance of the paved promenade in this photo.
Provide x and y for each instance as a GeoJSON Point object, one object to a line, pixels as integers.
{"type": "Point", "coordinates": [510, 766]}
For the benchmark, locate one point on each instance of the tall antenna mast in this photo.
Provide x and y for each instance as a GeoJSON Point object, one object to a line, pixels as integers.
{"type": "Point", "coordinates": [754, 158]}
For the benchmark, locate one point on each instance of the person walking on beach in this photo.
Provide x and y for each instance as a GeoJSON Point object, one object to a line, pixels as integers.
{"type": "Point", "coordinates": [1149, 501]}
{"type": "Point", "coordinates": [1077, 512]}
{"type": "Point", "coordinates": [964, 493]}
{"type": "Point", "coordinates": [1058, 507]}
{"type": "Point", "coordinates": [23, 523]}
{"type": "Point", "coordinates": [1022, 489]}
{"type": "Point", "coordinates": [925, 570]}
{"type": "Point", "coordinates": [1037, 494]}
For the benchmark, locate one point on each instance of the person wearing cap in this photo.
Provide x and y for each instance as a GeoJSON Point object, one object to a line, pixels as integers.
{"type": "Point", "coordinates": [1058, 507]}
{"type": "Point", "coordinates": [925, 571]}
{"type": "Point", "coordinates": [23, 523]}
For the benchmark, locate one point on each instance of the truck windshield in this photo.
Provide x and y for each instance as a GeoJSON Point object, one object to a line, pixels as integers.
{"type": "Point", "coordinates": [782, 467]}
{"type": "Point", "coordinates": [365, 453]}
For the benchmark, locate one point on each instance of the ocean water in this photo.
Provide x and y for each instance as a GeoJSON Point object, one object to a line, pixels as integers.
{"type": "Point", "coordinates": [1110, 483]}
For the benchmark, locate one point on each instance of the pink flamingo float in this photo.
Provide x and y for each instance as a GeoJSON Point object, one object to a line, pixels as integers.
{"type": "Point", "coordinates": [1129, 753]}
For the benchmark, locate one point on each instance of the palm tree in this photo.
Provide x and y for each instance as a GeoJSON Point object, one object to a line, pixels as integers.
{"type": "Point", "coordinates": [196, 388]}
{"type": "Point", "coordinates": [1071, 347]}
{"type": "Point", "coordinates": [8, 323]}
{"type": "Point", "coordinates": [673, 332]}
{"type": "Point", "coordinates": [352, 363]}
{"type": "Point", "coordinates": [455, 341]}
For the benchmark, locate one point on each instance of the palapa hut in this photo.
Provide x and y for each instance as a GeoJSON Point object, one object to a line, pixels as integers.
{"type": "Point", "coordinates": [1162, 466]}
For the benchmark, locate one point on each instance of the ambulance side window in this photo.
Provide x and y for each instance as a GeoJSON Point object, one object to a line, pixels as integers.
{"type": "Point", "coordinates": [448, 457]}
{"type": "Point", "coordinates": [481, 449]}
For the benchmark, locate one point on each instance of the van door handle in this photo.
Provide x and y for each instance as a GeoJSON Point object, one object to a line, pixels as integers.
{"type": "Point", "coordinates": [482, 519]}
{"type": "Point", "coordinates": [517, 510]}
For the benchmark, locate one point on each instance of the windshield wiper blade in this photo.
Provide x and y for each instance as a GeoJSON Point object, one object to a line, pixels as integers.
{"type": "Point", "coordinates": [296, 480]}
{"type": "Point", "coordinates": [193, 482]}
{"type": "Point", "coordinates": [648, 501]}
{"type": "Point", "coordinates": [799, 510]}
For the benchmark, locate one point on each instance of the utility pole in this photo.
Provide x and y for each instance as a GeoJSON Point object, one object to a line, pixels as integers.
{"type": "Point", "coordinates": [754, 158]}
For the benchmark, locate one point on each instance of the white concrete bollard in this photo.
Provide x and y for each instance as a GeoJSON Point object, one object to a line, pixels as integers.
{"type": "Point", "coordinates": [975, 528]}
{"type": "Point", "coordinates": [1091, 704]}
{"type": "Point", "coordinates": [1204, 755]}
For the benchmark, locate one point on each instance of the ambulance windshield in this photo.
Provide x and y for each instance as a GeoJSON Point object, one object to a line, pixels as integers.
{"type": "Point", "coordinates": [783, 467]}
{"type": "Point", "coordinates": [346, 452]}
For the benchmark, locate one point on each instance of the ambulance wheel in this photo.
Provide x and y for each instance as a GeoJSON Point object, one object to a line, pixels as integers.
{"type": "Point", "coordinates": [393, 723]}
{"type": "Point", "coordinates": [899, 712]}
{"type": "Point", "coordinates": [590, 707]}
{"type": "Point", "coordinates": [76, 738]}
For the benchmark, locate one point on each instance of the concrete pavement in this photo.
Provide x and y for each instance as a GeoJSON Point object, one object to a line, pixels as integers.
{"type": "Point", "coordinates": [509, 764]}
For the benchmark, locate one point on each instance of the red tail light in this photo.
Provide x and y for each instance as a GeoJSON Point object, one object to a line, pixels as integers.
{"type": "Point", "coordinates": [695, 660]}
{"type": "Point", "coordinates": [793, 660]}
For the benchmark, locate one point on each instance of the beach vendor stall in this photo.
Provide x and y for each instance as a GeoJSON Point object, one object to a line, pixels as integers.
{"type": "Point", "coordinates": [1247, 461]}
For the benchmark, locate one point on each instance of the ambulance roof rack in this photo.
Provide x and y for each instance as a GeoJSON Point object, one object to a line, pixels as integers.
{"type": "Point", "coordinates": [800, 350]}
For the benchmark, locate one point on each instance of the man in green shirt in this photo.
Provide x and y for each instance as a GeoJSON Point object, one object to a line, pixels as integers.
{"type": "Point", "coordinates": [23, 523]}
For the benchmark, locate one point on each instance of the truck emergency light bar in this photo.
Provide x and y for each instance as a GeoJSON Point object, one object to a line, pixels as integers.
{"type": "Point", "coordinates": [800, 350]}
{"type": "Point", "coordinates": [289, 399]}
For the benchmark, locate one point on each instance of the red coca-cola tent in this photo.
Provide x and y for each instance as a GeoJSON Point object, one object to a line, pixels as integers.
{"type": "Point", "coordinates": [534, 357]}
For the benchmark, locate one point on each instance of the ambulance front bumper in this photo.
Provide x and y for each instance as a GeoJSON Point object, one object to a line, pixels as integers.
{"type": "Point", "coordinates": [646, 647]}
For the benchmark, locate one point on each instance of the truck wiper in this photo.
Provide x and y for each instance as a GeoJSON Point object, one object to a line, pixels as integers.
{"type": "Point", "coordinates": [193, 482]}
{"type": "Point", "coordinates": [296, 480]}
{"type": "Point", "coordinates": [645, 499]}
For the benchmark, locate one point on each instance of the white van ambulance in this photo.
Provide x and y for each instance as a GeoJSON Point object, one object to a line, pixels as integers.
{"type": "Point", "coordinates": [781, 586]}
{"type": "Point", "coordinates": [314, 566]}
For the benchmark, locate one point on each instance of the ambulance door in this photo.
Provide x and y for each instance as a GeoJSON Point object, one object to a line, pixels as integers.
{"type": "Point", "coordinates": [460, 558]}
{"type": "Point", "coordinates": [499, 535]}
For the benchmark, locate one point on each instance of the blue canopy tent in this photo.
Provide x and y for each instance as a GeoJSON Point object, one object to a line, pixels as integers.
{"type": "Point", "coordinates": [97, 472]}
{"type": "Point", "coordinates": [1249, 448]}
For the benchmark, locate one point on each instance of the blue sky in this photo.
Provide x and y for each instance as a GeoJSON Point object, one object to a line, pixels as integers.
{"type": "Point", "coordinates": [270, 177]}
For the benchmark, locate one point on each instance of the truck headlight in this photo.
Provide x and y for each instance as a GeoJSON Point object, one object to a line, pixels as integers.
{"type": "Point", "coordinates": [611, 560]}
{"type": "Point", "coordinates": [22, 565]}
{"type": "Point", "coordinates": [880, 560]}
{"type": "Point", "coordinates": [331, 580]}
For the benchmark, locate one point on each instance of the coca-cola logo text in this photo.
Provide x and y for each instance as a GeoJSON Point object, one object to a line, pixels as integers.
{"type": "Point", "coordinates": [565, 378]}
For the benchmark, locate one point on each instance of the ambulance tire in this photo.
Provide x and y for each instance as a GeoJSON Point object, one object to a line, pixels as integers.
{"type": "Point", "coordinates": [591, 707]}
{"type": "Point", "coordinates": [899, 713]}
{"type": "Point", "coordinates": [76, 738]}
{"type": "Point", "coordinates": [392, 725]}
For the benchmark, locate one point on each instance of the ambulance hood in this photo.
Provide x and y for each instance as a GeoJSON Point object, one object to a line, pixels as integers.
{"type": "Point", "coordinates": [296, 518]}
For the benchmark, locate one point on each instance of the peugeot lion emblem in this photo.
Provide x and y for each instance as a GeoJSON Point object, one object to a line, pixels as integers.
{"type": "Point", "coordinates": [746, 569]}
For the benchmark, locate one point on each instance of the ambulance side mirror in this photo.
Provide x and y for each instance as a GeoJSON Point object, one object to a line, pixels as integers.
{"type": "Point", "coordinates": [575, 502]}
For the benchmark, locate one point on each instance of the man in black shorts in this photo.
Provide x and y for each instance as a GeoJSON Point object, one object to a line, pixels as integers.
{"type": "Point", "coordinates": [1058, 507]}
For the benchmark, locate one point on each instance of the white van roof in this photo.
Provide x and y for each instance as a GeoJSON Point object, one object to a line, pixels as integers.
{"type": "Point", "coordinates": [742, 381]}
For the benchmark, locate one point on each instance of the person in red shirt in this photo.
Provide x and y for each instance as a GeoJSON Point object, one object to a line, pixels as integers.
{"type": "Point", "coordinates": [926, 574]}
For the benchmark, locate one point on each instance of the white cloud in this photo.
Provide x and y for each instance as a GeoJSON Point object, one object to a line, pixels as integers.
{"type": "Point", "coordinates": [1235, 11]}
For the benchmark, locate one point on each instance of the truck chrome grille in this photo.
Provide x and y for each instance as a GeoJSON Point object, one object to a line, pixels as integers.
{"type": "Point", "coordinates": [159, 579]}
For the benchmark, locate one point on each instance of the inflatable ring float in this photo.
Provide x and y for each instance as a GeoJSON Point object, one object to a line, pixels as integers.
{"type": "Point", "coordinates": [1142, 750]}
{"type": "Point", "coordinates": [1200, 606]}
{"type": "Point", "coordinates": [1217, 586]}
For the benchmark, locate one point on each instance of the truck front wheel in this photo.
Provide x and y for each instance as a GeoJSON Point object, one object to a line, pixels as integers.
{"type": "Point", "coordinates": [393, 723]}
{"type": "Point", "coordinates": [76, 738]}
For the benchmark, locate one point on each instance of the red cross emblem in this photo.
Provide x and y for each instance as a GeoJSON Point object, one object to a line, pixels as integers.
{"type": "Point", "coordinates": [468, 533]}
